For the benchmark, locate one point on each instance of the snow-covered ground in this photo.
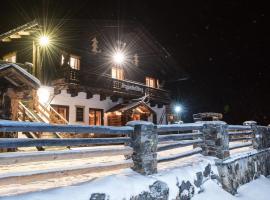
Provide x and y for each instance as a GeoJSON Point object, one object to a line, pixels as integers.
{"type": "Point", "coordinates": [257, 189]}
{"type": "Point", "coordinates": [127, 183]}
{"type": "Point", "coordinates": [120, 184]}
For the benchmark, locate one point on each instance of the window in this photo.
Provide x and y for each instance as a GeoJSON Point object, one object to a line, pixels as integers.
{"type": "Point", "coordinates": [95, 116]}
{"type": "Point", "coordinates": [151, 82]}
{"type": "Point", "coordinates": [79, 114]}
{"type": "Point", "coordinates": [62, 110]}
{"type": "Point", "coordinates": [74, 61]}
{"type": "Point", "coordinates": [117, 73]}
{"type": "Point", "coordinates": [11, 57]}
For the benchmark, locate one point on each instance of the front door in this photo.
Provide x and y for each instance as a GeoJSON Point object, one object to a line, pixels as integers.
{"type": "Point", "coordinates": [95, 116]}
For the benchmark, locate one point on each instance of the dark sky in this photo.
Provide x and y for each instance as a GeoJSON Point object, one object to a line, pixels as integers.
{"type": "Point", "coordinates": [222, 45]}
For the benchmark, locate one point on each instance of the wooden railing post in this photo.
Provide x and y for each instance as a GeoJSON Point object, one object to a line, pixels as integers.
{"type": "Point", "coordinates": [216, 139]}
{"type": "Point", "coordinates": [144, 141]}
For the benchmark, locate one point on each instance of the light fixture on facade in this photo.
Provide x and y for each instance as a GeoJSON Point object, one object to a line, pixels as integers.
{"type": "Point", "coordinates": [44, 40]}
{"type": "Point", "coordinates": [178, 108]}
{"type": "Point", "coordinates": [119, 57]}
{"type": "Point", "coordinates": [43, 94]}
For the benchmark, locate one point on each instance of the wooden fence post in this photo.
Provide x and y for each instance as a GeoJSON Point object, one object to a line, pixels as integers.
{"type": "Point", "coordinates": [216, 139]}
{"type": "Point", "coordinates": [144, 141]}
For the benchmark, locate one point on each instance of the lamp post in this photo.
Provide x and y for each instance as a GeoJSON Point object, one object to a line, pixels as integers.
{"type": "Point", "coordinates": [40, 43]}
{"type": "Point", "coordinates": [178, 109]}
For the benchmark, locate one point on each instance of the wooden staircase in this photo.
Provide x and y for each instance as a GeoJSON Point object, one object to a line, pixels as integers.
{"type": "Point", "coordinates": [40, 113]}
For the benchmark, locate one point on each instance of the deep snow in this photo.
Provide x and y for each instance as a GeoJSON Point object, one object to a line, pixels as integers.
{"type": "Point", "coordinates": [128, 183]}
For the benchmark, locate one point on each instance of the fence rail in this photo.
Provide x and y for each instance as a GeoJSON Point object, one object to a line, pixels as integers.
{"type": "Point", "coordinates": [13, 126]}
{"type": "Point", "coordinates": [143, 142]}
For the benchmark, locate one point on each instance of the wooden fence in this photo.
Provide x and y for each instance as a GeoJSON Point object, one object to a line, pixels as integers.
{"type": "Point", "coordinates": [141, 142]}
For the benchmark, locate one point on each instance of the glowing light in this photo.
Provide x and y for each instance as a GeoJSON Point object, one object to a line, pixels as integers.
{"type": "Point", "coordinates": [44, 40]}
{"type": "Point", "coordinates": [178, 109]}
{"type": "Point", "coordinates": [43, 94]}
{"type": "Point", "coordinates": [119, 58]}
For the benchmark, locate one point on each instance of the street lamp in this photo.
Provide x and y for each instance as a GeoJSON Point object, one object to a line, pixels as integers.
{"type": "Point", "coordinates": [44, 40]}
{"type": "Point", "coordinates": [178, 109]}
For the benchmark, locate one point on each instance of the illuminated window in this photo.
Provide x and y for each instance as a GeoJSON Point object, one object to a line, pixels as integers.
{"type": "Point", "coordinates": [79, 114]}
{"type": "Point", "coordinates": [11, 57]}
{"type": "Point", "coordinates": [74, 62]}
{"type": "Point", "coordinates": [151, 82]}
{"type": "Point", "coordinates": [117, 73]}
{"type": "Point", "coordinates": [95, 116]}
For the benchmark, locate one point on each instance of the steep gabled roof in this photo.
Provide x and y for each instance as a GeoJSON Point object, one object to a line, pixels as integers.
{"type": "Point", "coordinates": [18, 76]}
{"type": "Point", "coordinates": [19, 31]}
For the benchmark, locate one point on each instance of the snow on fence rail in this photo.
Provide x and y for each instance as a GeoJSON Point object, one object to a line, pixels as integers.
{"type": "Point", "coordinates": [38, 175]}
{"type": "Point", "coordinates": [191, 136]}
{"type": "Point", "coordinates": [143, 140]}
{"type": "Point", "coordinates": [240, 136]}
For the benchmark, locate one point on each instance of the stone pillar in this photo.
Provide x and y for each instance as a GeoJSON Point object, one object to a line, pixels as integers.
{"type": "Point", "coordinates": [216, 139]}
{"type": "Point", "coordinates": [261, 135]}
{"type": "Point", "coordinates": [144, 141]}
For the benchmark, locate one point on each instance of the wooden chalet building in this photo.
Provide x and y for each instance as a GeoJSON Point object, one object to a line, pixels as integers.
{"type": "Point", "coordinates": [82, 82]}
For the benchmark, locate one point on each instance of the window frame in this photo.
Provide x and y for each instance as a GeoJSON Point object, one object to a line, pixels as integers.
{"type": "Point", "coordinates": [155, 82]}
{"type": "Point", "coordinates": [119, 73]}
{"type": "Point", "coordinates": [57, 106]}
{"type": "Point", "coordinates": [76, 116]}
{"type": "Point", "coordinates": [77, 65]}
{"type": "Point", "coordinates": [102, 115]}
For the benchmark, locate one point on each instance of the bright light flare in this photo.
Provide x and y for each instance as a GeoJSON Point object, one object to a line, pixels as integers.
{"type": "Point", "coordinates": [178, 109]}
{"type": "Point", "coordinates": [44, 40]}
{"type": "Point", "coordinates": [119, 58]}
{"type": "Point", "coordinates": [43, 94]}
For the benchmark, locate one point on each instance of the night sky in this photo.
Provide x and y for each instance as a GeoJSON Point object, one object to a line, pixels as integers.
{"type": "Point", "coordinates": [222, 46]}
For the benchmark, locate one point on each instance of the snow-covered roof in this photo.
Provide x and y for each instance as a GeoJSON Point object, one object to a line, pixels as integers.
{"type": "Point", "coordinates": [18, 76]}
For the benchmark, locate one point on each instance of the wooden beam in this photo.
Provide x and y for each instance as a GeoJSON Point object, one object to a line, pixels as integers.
{"type": "Point", "coordinates": [40, 175]}
{"type": "Point", "coordinates": [181, 155]}
{"type": "Point", "coordinates": [236, 146]}
{"type": "Point", "coordinates": [102, 97]}
{"type": "Point", "coordinates": [24, 33]}
{"type": "Point", "coordinates": [15, 36]}
{"type": "Point", "coordinates": [6, 40]}
{"type": "Point", "coordinates": [176, 145]}
{"type": "Point", "coordinates": [14, 126]}
{"type": "Point", "coordinates": [14, 142]}
{"type": "Point", "coordinates": [181, 136]}
{"type": "Point", "coordinates": [24, 157]}
{"type": "Point", "coordinates": [89, 95]}
{"type": "Point", "coordinates": [179, 127]}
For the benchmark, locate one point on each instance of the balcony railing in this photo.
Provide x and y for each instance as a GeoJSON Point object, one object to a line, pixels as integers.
{"type": "Point", "coordinates": [106, 84]}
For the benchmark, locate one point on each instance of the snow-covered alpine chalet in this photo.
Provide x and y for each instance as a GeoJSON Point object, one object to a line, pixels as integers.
{"type": "Point", "coordinates": [92, 72]}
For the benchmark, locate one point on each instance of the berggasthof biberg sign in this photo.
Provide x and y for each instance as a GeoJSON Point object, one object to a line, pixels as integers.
{"type": "Point", "coordinates": [128, 87]}
{"type": "Point", "coordinates": [132, 87]}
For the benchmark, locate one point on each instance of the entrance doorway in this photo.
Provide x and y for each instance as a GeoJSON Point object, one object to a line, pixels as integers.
{"type": "Point", "coordinates": [96, 116]}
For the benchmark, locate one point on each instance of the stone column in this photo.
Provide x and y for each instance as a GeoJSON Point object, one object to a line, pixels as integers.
{"type": "Point", "coordinates": [216, 139]}
{"type": "Point", "coordinates": [261, 135]}
{"type": "Point", "coordinates": [144, 141]}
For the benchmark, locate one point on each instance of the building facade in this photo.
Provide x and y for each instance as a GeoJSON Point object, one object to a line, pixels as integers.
{"type": "Point", "coordinates": [93, 72]}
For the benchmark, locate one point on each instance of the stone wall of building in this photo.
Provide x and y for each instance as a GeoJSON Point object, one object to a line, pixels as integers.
{"type": "Point", "coordinates": [241, 169]}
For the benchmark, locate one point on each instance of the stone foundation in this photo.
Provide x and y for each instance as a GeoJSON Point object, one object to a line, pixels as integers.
{"type": "Point", "coordinates": [242, 169]}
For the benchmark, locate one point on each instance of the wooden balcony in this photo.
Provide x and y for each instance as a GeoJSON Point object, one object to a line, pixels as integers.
{"type": "Point", "coordinates": [107, 86]}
